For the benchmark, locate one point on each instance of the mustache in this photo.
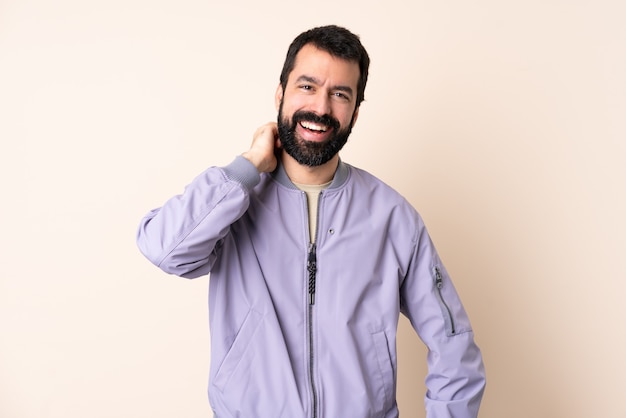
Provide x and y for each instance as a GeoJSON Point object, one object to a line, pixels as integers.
{"type": "Point", "coordinates": [302, 115]}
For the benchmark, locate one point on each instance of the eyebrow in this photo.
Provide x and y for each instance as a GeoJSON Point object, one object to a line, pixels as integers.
{"type": "Point", "coordinates": [313, 80]}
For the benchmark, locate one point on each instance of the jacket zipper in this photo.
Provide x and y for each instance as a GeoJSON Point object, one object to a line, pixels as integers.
{"type": "Point", "coordinates": [439, 285]}
{"type": "Point", "coordinates": [312, 276]}
{"type": "Point", "coordinates": [312, 268]}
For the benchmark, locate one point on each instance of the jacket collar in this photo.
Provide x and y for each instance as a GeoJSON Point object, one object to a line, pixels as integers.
{"type": "Point", "coordinates": [341, 175]}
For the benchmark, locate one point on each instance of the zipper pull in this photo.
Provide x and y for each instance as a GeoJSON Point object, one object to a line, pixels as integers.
{"type": "Point", "coordinates": [438, 278]}
{"type": "Point", "coordinates": [312, 268]}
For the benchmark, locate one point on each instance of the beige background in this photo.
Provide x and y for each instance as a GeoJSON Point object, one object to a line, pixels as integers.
{"type": "Point", "coordinates": [503, 122]}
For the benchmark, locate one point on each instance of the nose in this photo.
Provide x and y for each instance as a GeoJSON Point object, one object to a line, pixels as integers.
{"type": "Point", "coordinates": [321, 103]}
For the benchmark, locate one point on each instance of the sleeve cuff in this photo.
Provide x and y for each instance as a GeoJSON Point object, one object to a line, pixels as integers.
{"type": "Point", "coordinates": [242, 171]}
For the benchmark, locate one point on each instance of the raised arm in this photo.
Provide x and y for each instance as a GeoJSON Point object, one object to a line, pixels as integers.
{"type": "Point", "coordinates": [182, 237]}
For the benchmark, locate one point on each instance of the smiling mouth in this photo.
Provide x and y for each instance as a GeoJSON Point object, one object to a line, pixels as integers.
{"type": "Point", "coordinates": [314, 127]}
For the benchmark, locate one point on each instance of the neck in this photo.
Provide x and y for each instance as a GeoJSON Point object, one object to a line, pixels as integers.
{"type": "Point", "coordinates": [303, 174]}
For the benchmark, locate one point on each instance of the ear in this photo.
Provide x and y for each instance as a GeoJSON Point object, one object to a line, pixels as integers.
{"type": "Point", "coordinates": [355, 116]}
{"type": "Point", "coordinates": [279, 96]}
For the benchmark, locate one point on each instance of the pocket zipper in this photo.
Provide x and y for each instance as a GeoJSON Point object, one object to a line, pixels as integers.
{"type": "Point", "coordinates": [446, 308]}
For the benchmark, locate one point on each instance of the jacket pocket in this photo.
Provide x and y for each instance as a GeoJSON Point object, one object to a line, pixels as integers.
{"type": "Point", "coordinates": [384, 366]}
{"type": "Point", "coordinates": [238, 349]}
{"type": "Point", "coordinates": [455, 318]}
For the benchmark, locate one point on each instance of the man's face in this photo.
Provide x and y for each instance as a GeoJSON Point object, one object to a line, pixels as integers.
{"type": "Point", "coordinates": [317, 109]}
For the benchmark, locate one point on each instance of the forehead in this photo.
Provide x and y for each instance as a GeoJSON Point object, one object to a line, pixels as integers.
{"type": "Point", "coordinates": [321, 65]}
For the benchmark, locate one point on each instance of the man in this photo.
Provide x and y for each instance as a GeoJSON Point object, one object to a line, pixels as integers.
{"type": "Point", "coordinates": [312, 260]}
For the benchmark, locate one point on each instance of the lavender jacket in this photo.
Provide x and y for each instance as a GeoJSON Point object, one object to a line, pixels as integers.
{"type": "Point", "coordinates": [300, 330]}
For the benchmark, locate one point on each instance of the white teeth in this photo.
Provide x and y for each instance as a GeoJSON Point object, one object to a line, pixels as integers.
{"type": "Point", "coordinates": [314, 127]}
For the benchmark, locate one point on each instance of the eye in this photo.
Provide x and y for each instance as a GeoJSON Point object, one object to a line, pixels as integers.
{"type": "Point", "coordinates": [341, 96]}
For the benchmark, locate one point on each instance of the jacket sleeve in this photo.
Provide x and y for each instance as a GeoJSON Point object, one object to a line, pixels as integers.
{"type": "Point", "coordinates": [183, 236]}
{"type": "Point", "coordinates": [456, 377]}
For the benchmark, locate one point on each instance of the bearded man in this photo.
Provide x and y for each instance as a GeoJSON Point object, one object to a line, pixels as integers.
{"type": "Point", "coordinates": [312, 260]}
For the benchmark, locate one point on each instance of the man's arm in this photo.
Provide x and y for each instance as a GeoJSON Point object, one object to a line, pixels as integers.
{"type": "Point", "coordinates": [456, 376]}
{"type": "Point", "coordinates": [182, 236]}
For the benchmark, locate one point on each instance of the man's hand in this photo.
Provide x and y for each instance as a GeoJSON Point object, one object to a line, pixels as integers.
{"type": "Point", "coordinates": [262, 152]}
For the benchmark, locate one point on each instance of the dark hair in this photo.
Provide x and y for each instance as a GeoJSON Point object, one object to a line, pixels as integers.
{"type": "Point", "coordinates": [338, 42]}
